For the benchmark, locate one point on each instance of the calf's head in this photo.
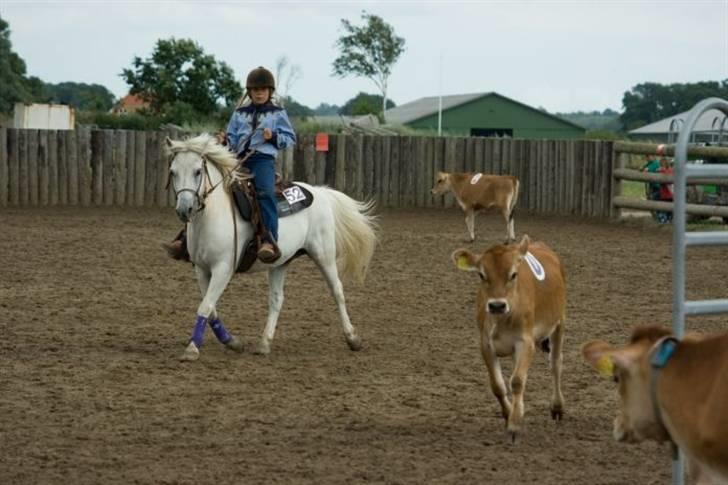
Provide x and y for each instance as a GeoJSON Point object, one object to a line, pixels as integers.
{"type": "Point", "coordinates": [442, 183]}
{"type": "Point", "coordinates": [629, 367]}
{"type": "Point", "coordinates": [498, 270]}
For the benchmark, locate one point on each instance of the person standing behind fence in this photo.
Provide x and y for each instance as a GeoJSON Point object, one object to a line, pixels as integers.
{"type": "Point", "coordinates": [261, 125]}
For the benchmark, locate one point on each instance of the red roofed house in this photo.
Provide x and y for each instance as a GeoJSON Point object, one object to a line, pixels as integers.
{"type": "Point", "coordinates": [131, 103]}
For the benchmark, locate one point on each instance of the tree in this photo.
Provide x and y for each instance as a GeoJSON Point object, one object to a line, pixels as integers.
{"type": "Point", "coordinates": [326, 109]}
{"type": "Point", "coordinates": [16, 87]}
{"type": "Point", "coordinates": [286, 76]}
{"type": "Point", "coordinates": [649, 102]}
{"type": "Point", "coordinates": [178, 71]}
{"type": "Point", "coordinates": [296, 109]}
{"type": "Point", "coordinates": [84, 97]}
{"type": "Point", "coordinates": [363, 104]}
{"type": "Point", "coordinates": [369, 51]}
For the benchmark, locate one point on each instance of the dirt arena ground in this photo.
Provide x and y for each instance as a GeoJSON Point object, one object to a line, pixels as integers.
{"type": "Point", "coordinates": [94, 316]}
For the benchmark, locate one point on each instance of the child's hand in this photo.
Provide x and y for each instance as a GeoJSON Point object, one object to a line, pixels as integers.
{"type": "Point", "coordinates": [267, 134]}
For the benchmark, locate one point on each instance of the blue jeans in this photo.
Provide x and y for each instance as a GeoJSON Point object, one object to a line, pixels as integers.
{"type": "Point", "coordinates": [263, 167]}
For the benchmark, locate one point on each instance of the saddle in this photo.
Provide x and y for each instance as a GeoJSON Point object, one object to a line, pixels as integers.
{"type": "Point", "coordinates": [290, 199]}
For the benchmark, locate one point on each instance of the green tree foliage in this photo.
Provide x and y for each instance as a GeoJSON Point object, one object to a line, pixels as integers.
{"type": "Point", "coordinates": [15, 86]}
{"type": "Point", "coordinates": [649, 102]}
{"type": "Point", "coordinates": [296, 109]}
{"type": "Point", "coordinates": [325, 109]}
{"type": "Point", "coordinates": [607, 120]}
{"type": "Point", "coordinates": [368, 51]}
{"type": "Point", "coordinates": [179, 71]}
{"type": "Point", "coordinates": [84, 97]}
{"type": "Point", "coordinates": [363, 104]}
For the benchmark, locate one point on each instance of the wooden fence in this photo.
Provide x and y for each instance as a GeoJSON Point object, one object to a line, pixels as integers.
{"type": "Point", "coordinates": [128, 168]}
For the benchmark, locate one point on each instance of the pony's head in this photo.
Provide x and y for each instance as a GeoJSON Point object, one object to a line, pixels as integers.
{"type": "Point", "coordinates": [188, 171]}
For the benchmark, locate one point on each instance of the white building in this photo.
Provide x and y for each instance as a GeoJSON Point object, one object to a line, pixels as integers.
{"type": "Point", "coordinates": [44, 116]}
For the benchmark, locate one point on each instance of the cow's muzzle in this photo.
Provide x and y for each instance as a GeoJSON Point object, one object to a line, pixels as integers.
{"type": "Point", "coordinates": [497, 307]}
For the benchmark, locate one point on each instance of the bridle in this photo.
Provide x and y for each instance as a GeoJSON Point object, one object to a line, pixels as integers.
{"type": "Point", "coordinates": [200, 199]}
{"type": "Point", "coordinates": [209, 187]}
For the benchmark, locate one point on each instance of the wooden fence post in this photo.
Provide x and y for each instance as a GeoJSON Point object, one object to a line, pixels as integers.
{"type": "Point", "coordinates": [405, 171]}
{"type": "Point", "coordinates": [130, 168]}
{"type": "Point", "coordinates": [140, 167]}
{"type": "Point", "coordinates": [160, 168]}
{"type": "Point", "coordinates": [13, 167]}
{"type": "Point", "coordinates": [62, 161]}
{"type": "Point", "coordinates": [4, 179]}
{"type": "Point", "coordinates": [309, 156]}
{"type": "Point", "coordinates": [53, 183]}
{"type": "Point", "coordinates": [394, 164]}
{"type": "Point", "coordinates": [367, 182]}
{"type": "Point", "coordinates": [119, 167]}
{"type": "Point", "coordinates": [386, 150]}
{"type": "Point", "coordinates": [108, 163]}
{"type": "Point", "coordinates": [43, 170]}
{"type": "Point", "coordinates": [33, 166]}
{"type": "Point", "coordinates": [24, 185]}
{"type": "Point", "coordinates": [82, 192]}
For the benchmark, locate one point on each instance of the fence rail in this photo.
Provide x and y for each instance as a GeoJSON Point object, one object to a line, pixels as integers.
{"type": "Point", "coordinates": [128, 168]}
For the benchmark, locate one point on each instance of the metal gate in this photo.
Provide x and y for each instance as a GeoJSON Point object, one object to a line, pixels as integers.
{"type": "Point", "coordinates": [681, 240]}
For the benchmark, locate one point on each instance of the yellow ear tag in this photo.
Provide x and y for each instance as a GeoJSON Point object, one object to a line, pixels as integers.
{"type": "Point", "coordinates": [463, 263]}
{"type": "Point", "coordinates": [605, 366]}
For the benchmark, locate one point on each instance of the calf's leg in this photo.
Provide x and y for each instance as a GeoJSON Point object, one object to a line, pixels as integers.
{"type": "Point", "coordinates": [523, 356]}
{"type": "Point", "coordinates": [470, 223]}
{"type": "Point", "coordinates": [555, 357]}
{"type": "Point", "coordinates": [497, 384]}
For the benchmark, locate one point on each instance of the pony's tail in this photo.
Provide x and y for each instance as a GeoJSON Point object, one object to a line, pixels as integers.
{"type": "Point", "coordinates": [356, 234]}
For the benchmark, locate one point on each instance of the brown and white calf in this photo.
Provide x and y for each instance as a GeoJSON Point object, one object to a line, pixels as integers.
{"type": "Point", "coordinates": [521, 303]}
{"type": "Point", "coordinates": [475, 192]}
{"type": "Point", "coordinates": [671, 391]}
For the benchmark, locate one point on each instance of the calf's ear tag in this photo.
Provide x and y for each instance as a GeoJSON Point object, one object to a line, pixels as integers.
{"type": "Point", "coordinates": [605, 366]}
{"type": "Point", "coordinates": [463, 262]}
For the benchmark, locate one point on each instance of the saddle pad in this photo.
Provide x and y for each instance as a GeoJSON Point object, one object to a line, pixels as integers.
{"type": "Point", "coordinates": [290, 199]}
{"type": "Point", "coordinates": [293, 199]}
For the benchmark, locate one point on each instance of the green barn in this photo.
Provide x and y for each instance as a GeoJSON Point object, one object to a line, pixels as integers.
{"type": "Point", "coordinates": [483, 114]}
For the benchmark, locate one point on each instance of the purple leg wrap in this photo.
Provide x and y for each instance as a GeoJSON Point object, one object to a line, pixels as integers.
{"type": "Point", "coordinates": [198, 334]}
{"type": "Point", "coordinates": [222, 335]}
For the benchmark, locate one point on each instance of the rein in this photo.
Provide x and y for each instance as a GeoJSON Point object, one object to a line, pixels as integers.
{"type": "Point", "coordinates": [660, 354]}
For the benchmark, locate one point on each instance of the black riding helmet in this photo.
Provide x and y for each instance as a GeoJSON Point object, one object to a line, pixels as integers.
{"type": "Point", "coordinates": [260, 77]}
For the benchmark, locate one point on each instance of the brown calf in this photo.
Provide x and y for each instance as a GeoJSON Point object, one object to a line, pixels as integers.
{"type": "Point", "coordinates": [672, 391]}
{"type": "Point", "coordinates": [475, 192]}
{"type": "Point", "coordinates": [521, 302]}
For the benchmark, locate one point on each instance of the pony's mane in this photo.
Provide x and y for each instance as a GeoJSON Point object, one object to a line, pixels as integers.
{"type": "Point", "coordinates": [205, 145]}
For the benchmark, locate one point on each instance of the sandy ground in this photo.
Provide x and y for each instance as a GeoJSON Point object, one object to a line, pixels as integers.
{"type": "Point", "coordinates": [94, 317]}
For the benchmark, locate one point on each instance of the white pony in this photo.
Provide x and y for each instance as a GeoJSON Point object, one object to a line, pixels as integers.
{"type": "Point", "coordinates": [335, 231]}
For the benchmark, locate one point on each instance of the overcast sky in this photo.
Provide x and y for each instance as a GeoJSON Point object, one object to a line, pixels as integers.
{"type": "Point", "coordinates": [560, 55]}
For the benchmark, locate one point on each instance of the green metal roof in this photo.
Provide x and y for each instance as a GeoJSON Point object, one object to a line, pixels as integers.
{"type": "Point", "coordinates": [424, 107]}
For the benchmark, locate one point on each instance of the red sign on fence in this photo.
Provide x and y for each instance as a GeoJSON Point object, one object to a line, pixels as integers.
{"type": "Point", "coordinates": [322, 142]}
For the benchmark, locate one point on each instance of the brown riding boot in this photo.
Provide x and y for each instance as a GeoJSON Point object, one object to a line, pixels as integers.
{"type": "Point", "coordinates": [177, 249]}
{"type": "Point", "coordinates": [268, 252]}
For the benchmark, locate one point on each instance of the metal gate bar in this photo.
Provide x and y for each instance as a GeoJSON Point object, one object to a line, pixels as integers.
{"type": "Point", "coordinates": [680, 240]}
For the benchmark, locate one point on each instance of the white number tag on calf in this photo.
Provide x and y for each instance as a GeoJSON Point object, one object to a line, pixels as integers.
{"type": "Point", "coordinates": [475, 178]}
{"type": "Point", "coordinates": [294, 194]}
{"type": "Point", "coordinates": [536, 267]}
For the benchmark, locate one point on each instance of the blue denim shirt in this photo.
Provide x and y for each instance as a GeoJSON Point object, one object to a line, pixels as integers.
{"type": "Point", "coordinates": [251, 116]}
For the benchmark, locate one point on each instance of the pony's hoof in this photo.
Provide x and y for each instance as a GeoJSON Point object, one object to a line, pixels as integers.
{"type": "Point", "coordinates": [557, 412]}
{"type": "Point", "coordinates": [190, 354]}
{"type": "Point", "coordinates": [263, 348]}
{"type": "Point", "coordinates": [235, 344]}
{"type": "Point", "coordinates": [354, 343]}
